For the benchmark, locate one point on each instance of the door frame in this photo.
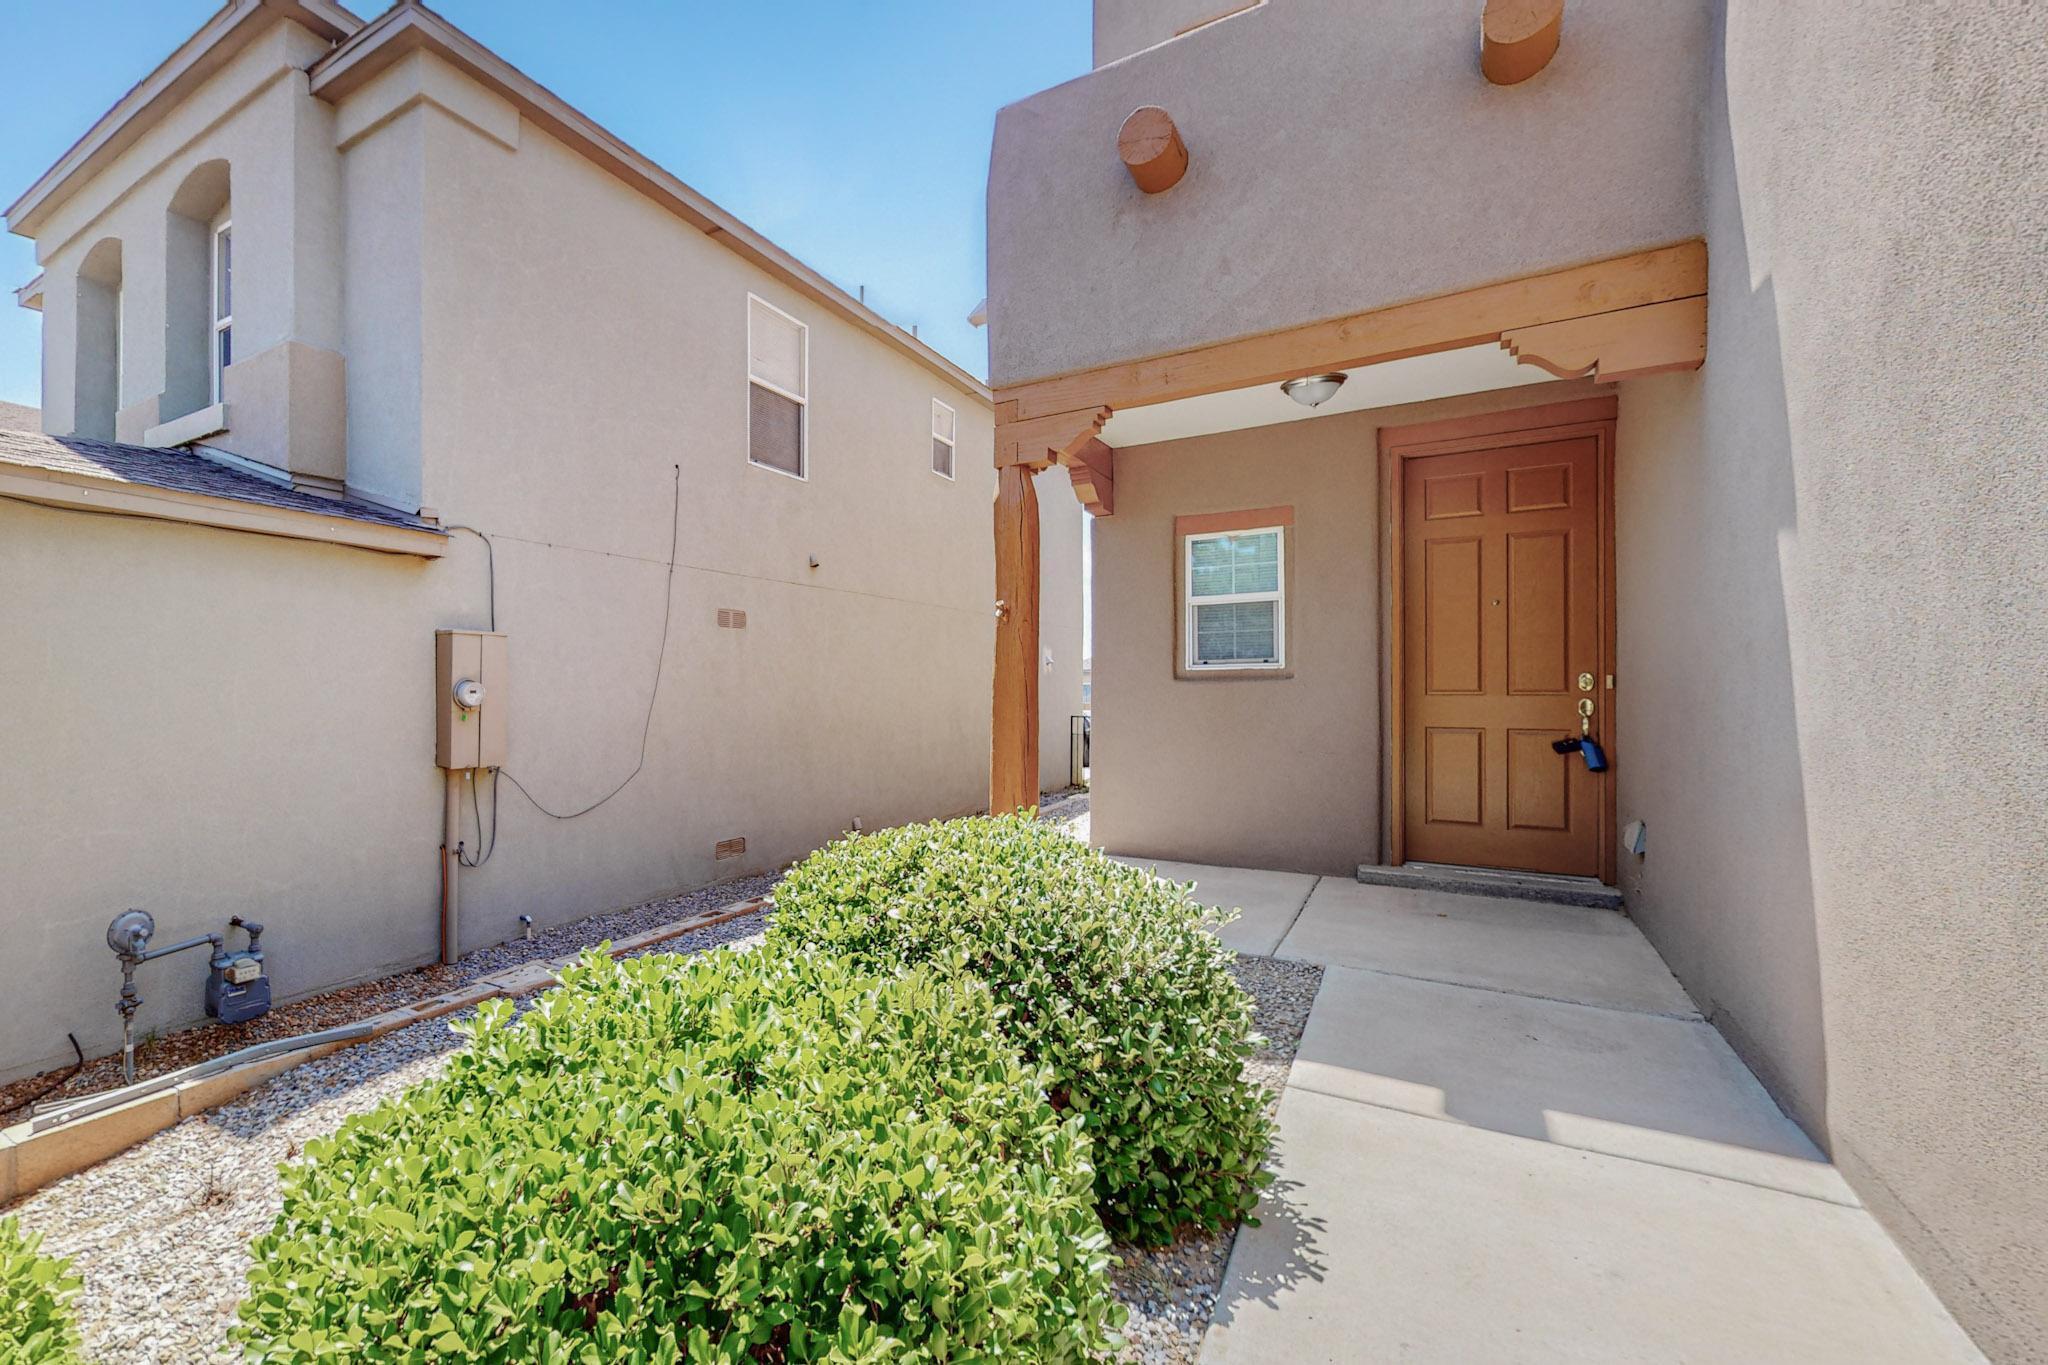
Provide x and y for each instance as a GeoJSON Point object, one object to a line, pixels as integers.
{"type": "Point", "coordinates": [1593, 417]}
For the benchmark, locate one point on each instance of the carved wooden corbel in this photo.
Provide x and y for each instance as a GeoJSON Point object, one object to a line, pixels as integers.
{"type": "Point", "coordinates": [1626, 344]}
{"type": "Point", "coordinates": [1042, 442]}
{"type": "Point", "coordinates": [1092, 467]}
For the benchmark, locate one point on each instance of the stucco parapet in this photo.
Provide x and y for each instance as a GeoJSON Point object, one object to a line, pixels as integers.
{"type": "Point", "coordinates": [1343, 158]}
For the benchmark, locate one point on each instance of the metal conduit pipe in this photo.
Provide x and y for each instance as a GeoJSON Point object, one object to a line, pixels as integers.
{"type": "Point", "coordinates": [68, 1110]}
{"type": "Point", "coordinates": [451, 869]}
{"type": "Point", "coordinates": [129, 936]}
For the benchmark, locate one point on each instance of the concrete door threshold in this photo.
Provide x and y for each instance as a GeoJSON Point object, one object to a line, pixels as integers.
{"type": "Point", "coordinates": [1545, 887]}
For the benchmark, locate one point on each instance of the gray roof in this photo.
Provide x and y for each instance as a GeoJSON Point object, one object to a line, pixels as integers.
{"type": "Point", "coordinates": [183, 471]}
{"type": "Point", "coordinates": [15, 417]}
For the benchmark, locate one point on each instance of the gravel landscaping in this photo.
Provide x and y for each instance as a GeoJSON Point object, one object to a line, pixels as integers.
{"type": "Point", "coordinates": [331, 1009]}
{"type": "Point", "coordinates": [1068, 809]}
{"type": "Point", "coordinates": [1171, 1292]}
{"type": "Point", "coordinates": [161, 1233]}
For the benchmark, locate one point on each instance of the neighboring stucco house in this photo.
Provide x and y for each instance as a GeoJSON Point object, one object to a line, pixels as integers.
{"type": "Point", "coordinates": [1686, 396]}
{"type": "Point", "coordinates": [326, 303]}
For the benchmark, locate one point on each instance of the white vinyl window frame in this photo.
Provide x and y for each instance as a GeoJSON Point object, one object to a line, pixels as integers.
{"type": "Point", "coordinates": [220, 300]}
{"type": "Point", "coordinates": [1192, 660]}
{"type": "Point", "coordinates": [802, 400]}
{"type": "Point", "coordinates": [947, 434]}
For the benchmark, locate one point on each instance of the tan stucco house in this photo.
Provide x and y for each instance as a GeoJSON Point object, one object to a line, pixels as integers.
{"type": "Point", "coordinates": [1667, 378]}
{"type": "Point", "coordinates": [353, 334]}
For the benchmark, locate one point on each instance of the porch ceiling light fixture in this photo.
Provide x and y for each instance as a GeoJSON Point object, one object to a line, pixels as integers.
{"type": "Point", "coordinates": [1314, 390]}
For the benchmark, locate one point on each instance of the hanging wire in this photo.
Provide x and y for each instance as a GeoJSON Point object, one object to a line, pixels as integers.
{"type": "Point", "coordinates": [647, 725]}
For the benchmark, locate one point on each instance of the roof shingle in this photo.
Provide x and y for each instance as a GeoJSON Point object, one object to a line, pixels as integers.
{"type": "Point", "coordinates": [183, 471]}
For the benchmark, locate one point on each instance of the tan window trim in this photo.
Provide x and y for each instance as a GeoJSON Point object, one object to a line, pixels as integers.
{"type": "Point", "coordinates": [1209, 523]}
{"type": "Point", "coordinates": [55, 488]}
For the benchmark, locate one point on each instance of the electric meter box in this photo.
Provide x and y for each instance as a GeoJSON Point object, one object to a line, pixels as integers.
{"type": "Point", "coordinates": [470, 690]}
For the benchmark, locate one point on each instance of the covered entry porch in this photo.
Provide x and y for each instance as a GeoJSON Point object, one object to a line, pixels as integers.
{"type": "Point", "coordinates": [1193, 459]}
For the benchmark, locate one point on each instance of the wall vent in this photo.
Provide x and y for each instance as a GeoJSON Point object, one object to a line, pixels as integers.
{"type": "Point", "coordinates": [729, 848]}
{"type": "Point", "coordinates": [732, 618]}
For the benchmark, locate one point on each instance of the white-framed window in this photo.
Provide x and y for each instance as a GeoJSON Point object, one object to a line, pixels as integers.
{"type": "Point", "coordinates": [1235, 588]}
{"type": "Point", "coordinates": [945, 433]}
{"type": "Point", "coordinates": [778, 388]}
{"type": "Point", "coordinates": [223, 301]}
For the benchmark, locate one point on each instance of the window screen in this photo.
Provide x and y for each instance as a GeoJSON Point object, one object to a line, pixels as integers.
{"type": "Point", "coordinates": [1235, 584]}
{"type": "Point", "coordinates": [944, 435]}
{"type": "Point", "coordinates": [778, 379]}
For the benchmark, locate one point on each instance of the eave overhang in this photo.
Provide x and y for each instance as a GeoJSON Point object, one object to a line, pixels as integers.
{"type": "Point", "coordinates": [410, 28]}
{"type": "Point", "coordinates": [85, 493]}
{"type": "Point", "coordinates": [232, 29]}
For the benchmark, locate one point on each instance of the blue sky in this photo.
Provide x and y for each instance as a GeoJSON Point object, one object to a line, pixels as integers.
{"type": "Point", "coordinates": [855, 135]}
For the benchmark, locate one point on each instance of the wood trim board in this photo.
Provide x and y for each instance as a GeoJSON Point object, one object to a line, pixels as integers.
{"type": "Point", "coordinates": [1440, 323]}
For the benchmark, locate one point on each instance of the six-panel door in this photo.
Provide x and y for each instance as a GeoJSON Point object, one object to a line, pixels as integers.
{"type": "Point", "coordinates": [1501, 621]}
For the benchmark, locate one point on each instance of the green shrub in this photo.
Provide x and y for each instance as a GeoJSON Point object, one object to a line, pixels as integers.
{"type": "Point", "coordinates": [729, 1157]}
{"type": "Point", "coordinates": [35, 1312]}
{"type": "Point", "coordinates": [1109, 980]}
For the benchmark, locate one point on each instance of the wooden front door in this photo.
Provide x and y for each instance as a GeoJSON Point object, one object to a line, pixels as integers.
{"type": "Point", "coordinates": [1504, 625]}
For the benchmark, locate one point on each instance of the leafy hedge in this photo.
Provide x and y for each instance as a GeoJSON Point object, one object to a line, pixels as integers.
{"type": "Point", "coordinates": [729, 1157]}
{"type": "Point", "coordinates": [35, 1293]}
{"type": "Point", "coordinates": [1109, 979]}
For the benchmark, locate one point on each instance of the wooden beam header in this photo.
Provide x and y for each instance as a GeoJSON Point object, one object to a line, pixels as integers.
{"type": "Point", "coordinates": [1045, 441]}
{"type": "Point", "coordinates": [1446, 322]}
{"type": "Point", "coordinates": [1152, 151]}
{"type": "Point", "coordinates": [1654, 339]}
{"type": "Point", "coordinates": [1517, 38]}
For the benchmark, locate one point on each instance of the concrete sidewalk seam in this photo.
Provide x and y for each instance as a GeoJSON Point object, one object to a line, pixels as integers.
{"type": "Point", "coordinates": [1292, 1084]}
{"type": "Point", "coordinates": [1690, 1017]}
{"type": "Point", "coordinates": [1295, 918]}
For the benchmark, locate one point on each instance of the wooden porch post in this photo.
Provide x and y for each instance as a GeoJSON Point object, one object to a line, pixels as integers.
{"type": "Point", "coordinates": [1013, 755]}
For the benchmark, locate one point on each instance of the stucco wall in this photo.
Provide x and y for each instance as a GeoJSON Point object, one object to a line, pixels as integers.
{"type": "Point", "coordinates": [201, 724]}
{"type": "Point", "coordinates": [1278, 772]}
{"type": "Point", "coordinates": [205, 723]}
{"type": "Point", "coordinates": [1345, 155]}
{"type": "Point", "coordinates": [578, 344]}
{"type": "Point", "coordinates": [1835, 546]}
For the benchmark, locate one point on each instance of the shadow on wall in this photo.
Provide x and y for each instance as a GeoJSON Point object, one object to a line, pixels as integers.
{"type": "Point", "coordinates": [1707, 527]}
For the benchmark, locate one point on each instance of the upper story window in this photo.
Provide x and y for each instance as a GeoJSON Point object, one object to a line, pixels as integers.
{"type": "Point", "coordinates": [778, 387]}
{"type": "Point", "coordinates": [1235, 583]}
{"type": "Point", "coordinates": [198, 285]}
{"type": "Point", "coordinates": [944, 434]}
{"type": "Point", "coordinates": [223, 300]}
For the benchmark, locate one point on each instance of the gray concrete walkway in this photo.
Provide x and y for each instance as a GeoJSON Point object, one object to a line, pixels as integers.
{"type": "Point", "coordinates": [1508, 1136]}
